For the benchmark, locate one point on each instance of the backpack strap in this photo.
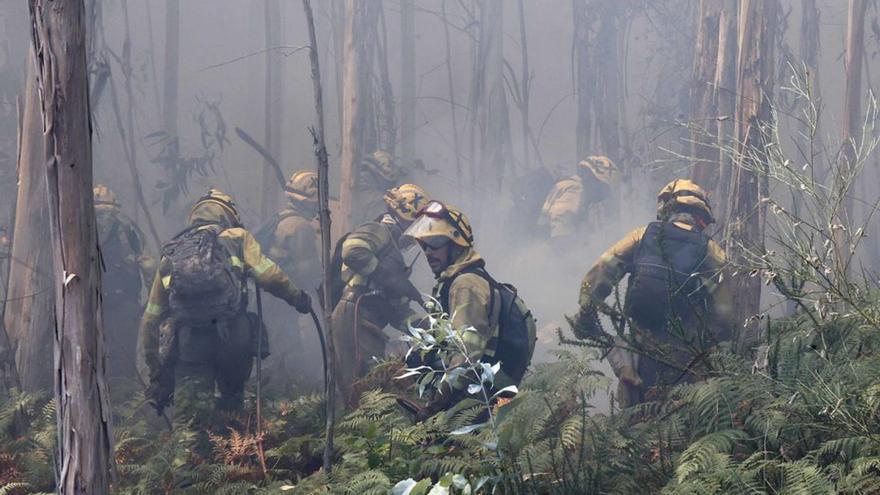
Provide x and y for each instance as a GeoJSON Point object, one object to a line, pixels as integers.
{"type": "Point", "coordinates": [442, 294]}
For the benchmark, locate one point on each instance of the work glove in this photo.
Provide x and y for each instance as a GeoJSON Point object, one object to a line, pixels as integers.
{"type": "Point", "coordinates": [585, 324]}
{"type": "Point", "coordinates": [302, 302]}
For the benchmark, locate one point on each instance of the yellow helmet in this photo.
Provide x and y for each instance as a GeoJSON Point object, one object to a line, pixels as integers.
{"type": "Point", "coordinates": [216, 206]}
{"type": "Point", "coordinates": [302, 187]}
{"type": "Point", "coordinates": [382, 164]}
{"type": "Point", "coordinates": [602, 168]}
{"type": "Point", "coordinates": [104, 196]}
{"type": "Point", "coordinates": [406, 201]}
{"type": "Point", "coordinates": [684, 192]}
{"type": "Point", "coordinates": [437, 224]}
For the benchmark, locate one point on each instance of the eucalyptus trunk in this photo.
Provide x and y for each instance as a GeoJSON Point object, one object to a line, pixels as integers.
{"type": "Point", "coordinates": [755, 75]}
{"type": "Point", "coordinates": [84, 439]}
{"type": "Point", "coordinates": [273, 108]}
{"type": "Point", "coordinates": [408, 79]}
{"type": "Point", "coordinates": [28, 319]}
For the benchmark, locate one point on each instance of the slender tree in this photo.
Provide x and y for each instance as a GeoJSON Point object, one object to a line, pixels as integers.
{"type": "Point", "coordinates": [852, 104]}
{"type": "Point", "coordinates": [84, 437]}
{"type": "Point", "coordinates": [127, 132]}
{"type": "Point", "coordinates": [324, 217]}
{"type": "Point", "coordinates": [408, 79]}
{"type": "Point", "coordinates": [29, 319]}
{"type": "Point", "coordinates": [172, 67]}
{"type": "Point", "coordinates": [359, 112]}
{"type": "Point", "coordinates": [386, 126]}
{"type": "Point", "coordinates": [584, 80]}
{"type": "Point", "coordinates": [351, 150]}
{"type": "Point", "coordinates": [810, 43]}
{"type": "Point", "coordinates": [489, 101]}
{"type": "Point", "coordinates": [451, 86]}
{"type": "Point", "coordinates": [598, 76]}
{"type": "Point", "coordinates": [273, 109]}
{"type": "Point", "coordinates": [704, 111]}
{"type": "Point", "coordinates": [725, 93]}
{"type": "Point", "coordinates": [754, 75]}
{"type": "Point", "coordinates": [607, 97]}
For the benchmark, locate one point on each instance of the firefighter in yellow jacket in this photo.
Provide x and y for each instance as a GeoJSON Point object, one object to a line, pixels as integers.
{"type": "Point", "coordinates": [466, 291]}
{"type": "Point", "coordinates": [128, 269]}
{"type": "Point", "coordinates": [196, 331]}
{"type": "Point", "coordinates": [376, 173]}
{"type": "Point", "coordinates": [295, 241]}
{"type": "Point", "coordinates": [377, 291]}
{"type": "Point", "coordinates": [567, 207]}
{"type": "Point", "coordinates": [677, 305]}
{"type": "Point", "coordinates": [294, 246]}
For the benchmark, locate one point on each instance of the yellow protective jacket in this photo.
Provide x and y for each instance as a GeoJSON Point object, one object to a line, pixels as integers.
{"type": "Point", "coordinates": [565, 208]}
{"type": "Point", "coordinates": [470, 298]}
{"type": "Point", "coordinates": [618, 261]}
{"type": "Point", "coordinates": [295, 247]}
{"type": "Point", "coordinates": [264, 271]}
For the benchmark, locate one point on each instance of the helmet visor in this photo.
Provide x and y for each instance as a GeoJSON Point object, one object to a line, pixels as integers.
{"type": "Point", "coordinates": [435, 221]}
{"type": "Point", "coordinates": [427, 228]}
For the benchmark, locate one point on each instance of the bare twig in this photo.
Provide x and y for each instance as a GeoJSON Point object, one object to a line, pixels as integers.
{"type": "Point", "coordinates": [294, 49]}
{"type": "Point", "coordinates": [324, 216]}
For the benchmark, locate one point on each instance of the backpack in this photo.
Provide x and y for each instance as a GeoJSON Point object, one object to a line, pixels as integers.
{"type": "Point", "coordinates": [517, 331]}
{"type": "Point", "coordinates": [204, 288]}
{"type": "Point", "coordinates": [666, 282]}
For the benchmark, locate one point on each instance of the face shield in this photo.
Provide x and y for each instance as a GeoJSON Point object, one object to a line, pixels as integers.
{"type": "Point", "coordinates": [435, 225]}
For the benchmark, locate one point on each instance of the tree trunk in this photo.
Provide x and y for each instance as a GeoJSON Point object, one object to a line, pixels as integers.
{"type": "Point", "coordinates": [492, 110]}
{"type": "Point", "coordinates": [598, 77]}
{"type": "Point", "coordinates": [745, 233]}
{"type": "Point", "coordinates": [129, 141]}
{"type": "Point", "coordinates": [84, 437]}
{"type": "Point", "coordinates": [852, 108]}
{"type": "Point", "coordinates": [704, 111]}
{"type": "Point", "coordinates": [451, 86]}
{"type": "Point", "coordinates": [810, 43]}
{"type": "Point", "coordinates": [337, 23]}
{"type": "Point", "coordinates": [273, 108]}
{"type": "Point", "coordinates": [408, 80]}
{"type": "Point", "coordinates": [386, 129]}
{"type": "Point", "coordinates": [172, 62]}
{"type": "Point", "coordinates": [351, 151]}
{"type": "Point", "coordinates": [725, 87]}
{"type": "Point", "coordinates": [524, 84]}
{"type": "Point", "coordinates": [584, 78]}
{"type": "Point", "coordinates": [607, 101]}
{"type": "Point", "coordinates": [324, 218]}
{"type": "Point", "coordinates": [13, 51]}
{"type": "Point", "coordinates": [29, 318]}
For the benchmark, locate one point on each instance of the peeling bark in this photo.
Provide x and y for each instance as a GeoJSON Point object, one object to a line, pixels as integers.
{"type": "Point", "coordinates": [84, 436]}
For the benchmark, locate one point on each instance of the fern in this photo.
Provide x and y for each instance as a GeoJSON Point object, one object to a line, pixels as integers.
{"type": "Point", "coordinates": [707, 452]}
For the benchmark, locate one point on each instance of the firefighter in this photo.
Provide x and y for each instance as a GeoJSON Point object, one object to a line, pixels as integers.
{"type": "Point", "coordinates": [294, 244]}
{"type": "Point", "coordinates": [377, 173]}
{"type": "Point", "coordinates": [376, 290]}
{"type": "Point", "coordinates": [676, 306]}
{"type": "Point", "coordinates": [567, 208]}
{"type": "Point", "coordinates": [128, 269]}
{"type": "Point", "coordinates": [293, 240]}
{"type": "Point", "coordinates": [196, 332]}
{"type": "Point", "coordinates": [504, 329]}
